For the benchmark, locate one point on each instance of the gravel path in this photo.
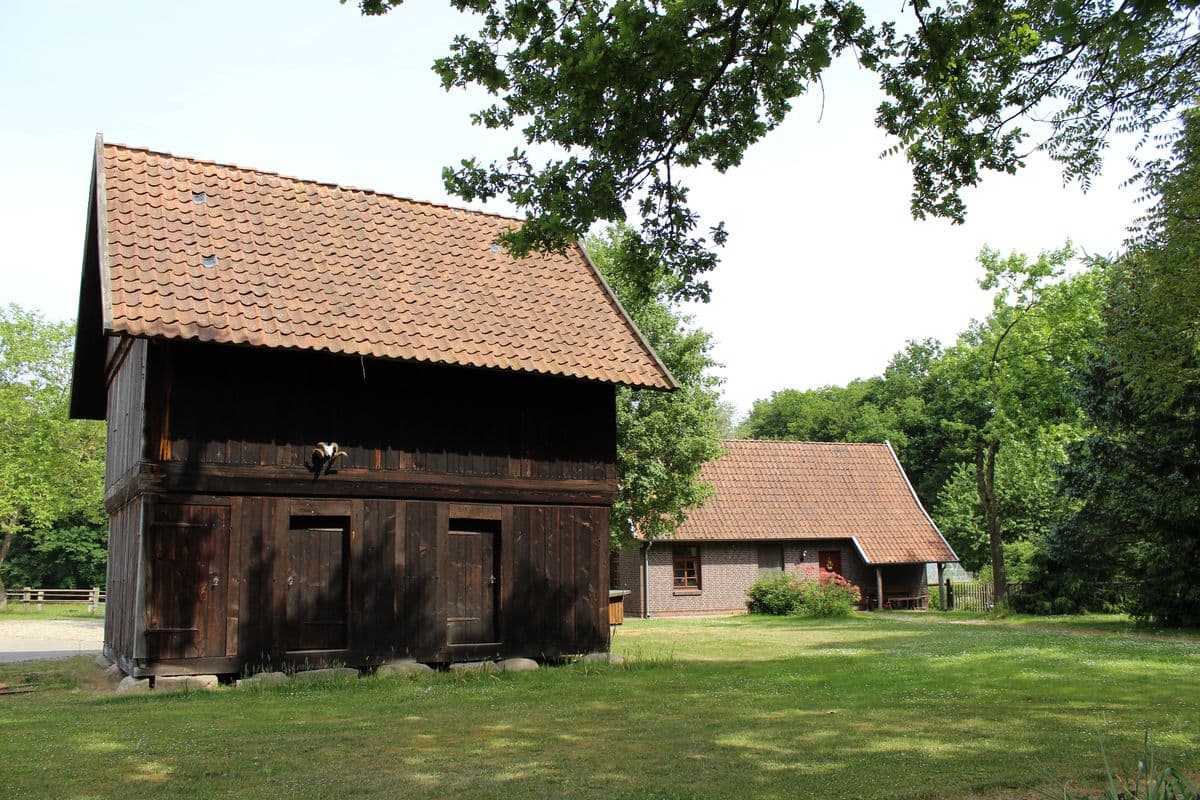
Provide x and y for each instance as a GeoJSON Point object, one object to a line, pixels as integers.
{"type": "Point", "coordinates": [30, 639]}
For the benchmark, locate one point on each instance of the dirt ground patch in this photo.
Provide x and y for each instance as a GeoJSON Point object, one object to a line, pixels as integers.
{"type": "Point", "coordinates": [27, 639]}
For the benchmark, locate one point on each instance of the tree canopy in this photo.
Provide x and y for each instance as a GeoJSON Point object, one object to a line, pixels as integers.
{"type": "Point", "coordinates": [1135, 480]}
{"type": "Point", "coordinates": [663, 438]}
{"type": "Point", "coordinates": [616, 99]}
{"type": "Point", "coordinates": [982, 425]}
{"type": "Point", "coordinates": [51, 467]}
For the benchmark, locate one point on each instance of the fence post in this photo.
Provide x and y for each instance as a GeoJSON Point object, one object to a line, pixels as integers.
{"type": "Point", "coordinates": [93, 600]}
{"type": "Point", "coordinates": [941, 575]}
{"type": "Point", "coordinates": [41, 598]}
{"type": "Point", "coordinates": [25, 598]}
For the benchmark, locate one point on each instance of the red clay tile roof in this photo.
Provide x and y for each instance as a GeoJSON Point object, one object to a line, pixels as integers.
{"type": "Point", "coordinates": [816, 490]}
{"type": "Point", "coordinates": [198, 250]}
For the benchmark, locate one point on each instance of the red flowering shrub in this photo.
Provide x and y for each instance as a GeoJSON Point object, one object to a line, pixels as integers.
{"type": "Point", "coordinates": [831, 595]}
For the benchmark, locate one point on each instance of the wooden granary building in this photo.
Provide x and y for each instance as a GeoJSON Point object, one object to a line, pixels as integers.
{"type": "Point", "coordinates": [235, 324]}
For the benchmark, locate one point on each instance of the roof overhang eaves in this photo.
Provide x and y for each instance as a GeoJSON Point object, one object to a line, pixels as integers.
{"type": "Point", "coordinates": [671, 383]}
{"type": "Point", "coordinates": [920, 505]}
{"type": "Point", "coordinates": [101, 211]}
{"type": "Point", "coordinates": [122, 327]}
{"type": "Point", "coordinates": [94, 316]}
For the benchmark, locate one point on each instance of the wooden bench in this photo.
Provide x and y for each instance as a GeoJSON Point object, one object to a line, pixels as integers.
{"type": "Point", "coordinates": [894, 600]}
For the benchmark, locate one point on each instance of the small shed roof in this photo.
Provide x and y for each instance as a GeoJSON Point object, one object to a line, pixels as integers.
{"type": "Point", "coordinates": [191, 249]}
{"type": "Point", "coordinates": [774, 490]}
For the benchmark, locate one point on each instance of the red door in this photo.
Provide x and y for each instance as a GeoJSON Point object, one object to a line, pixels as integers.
{"type": "Point", "coordinates": [830, 561]}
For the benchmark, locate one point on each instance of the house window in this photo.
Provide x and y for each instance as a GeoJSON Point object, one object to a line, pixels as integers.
{"type": "Point", "coordinates": [770, 559]}
{"type": "Point", "coordinates": [687, 567]}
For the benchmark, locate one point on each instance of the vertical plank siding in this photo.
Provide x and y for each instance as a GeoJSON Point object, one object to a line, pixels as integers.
{"type": "Point", "coordinates": [558, 588]}
{"type": "Point", "coordinates": [251, 577]}
{"type": "Point", "coordinates": [550, 564]}
{"type": "Point", "coordinates": [121, 582]}
{"type": "Point", "coordinates": [475, 423]}
{"type": "Point", "coordinates": [126, 408]}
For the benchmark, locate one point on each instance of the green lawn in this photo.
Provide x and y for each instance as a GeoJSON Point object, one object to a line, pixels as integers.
{"type": "Point", "coordinates": [1099, 623]}
{"type": "Point", "coordinates": [874, 706]}
{"type": "Point", "coordinates": [16, 610]}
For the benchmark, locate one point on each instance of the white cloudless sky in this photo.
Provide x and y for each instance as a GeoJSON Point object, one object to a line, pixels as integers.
{"type": "Point", "coordinates": [825, 274]}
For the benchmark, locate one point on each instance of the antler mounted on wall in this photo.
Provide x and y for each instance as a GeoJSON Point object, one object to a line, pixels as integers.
{"type": "Point", "coordinates": [323, 456]}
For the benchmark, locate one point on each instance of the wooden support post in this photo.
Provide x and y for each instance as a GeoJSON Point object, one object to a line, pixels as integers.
{"type": "Point", "coordinates": [93, 599]}
{"type": "Point", "coordinates": [879, 587]}
{"type": "Point", "coordinates": [25, 595]}
{"type": "Point", "coordinates": [41, 598]}
{"type": "Point", "coordinates": [941, 586]}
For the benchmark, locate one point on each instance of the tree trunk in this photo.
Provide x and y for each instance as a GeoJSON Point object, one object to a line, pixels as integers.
{"type": "Point", "coordinates": [985, 483]}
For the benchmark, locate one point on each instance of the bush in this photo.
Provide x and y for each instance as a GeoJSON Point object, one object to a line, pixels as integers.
{"type": "Point", "coordinates": [774, 594]}
{"type": "Point", "coordinates": [829, 596]}
{"type": "Point", "coordinates": [783, 593]}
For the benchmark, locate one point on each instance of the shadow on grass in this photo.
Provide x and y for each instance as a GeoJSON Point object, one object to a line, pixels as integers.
{"type": "Point", "coordinates": [855, 709]}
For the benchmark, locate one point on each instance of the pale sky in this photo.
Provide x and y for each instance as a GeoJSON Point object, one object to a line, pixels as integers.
{"type": "Point", "coordinates": [825, 274]}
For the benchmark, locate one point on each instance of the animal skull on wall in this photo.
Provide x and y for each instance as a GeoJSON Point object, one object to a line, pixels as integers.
{"type": "Point", "coordinates": [323, 457]}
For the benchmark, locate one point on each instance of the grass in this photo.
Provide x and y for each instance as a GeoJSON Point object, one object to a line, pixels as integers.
{"type": "Point", "coordinates": [1096, 623]}
{"type": "Point", "coordinates": [16, 610]}
{"type": "Point", "coordinates": [871, 706]}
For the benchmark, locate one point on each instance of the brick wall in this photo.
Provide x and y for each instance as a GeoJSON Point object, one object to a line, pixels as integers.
{"type": "Point", "coordinates": [727, 570]}
{"type": "Point", "coordinates": [630, 577]}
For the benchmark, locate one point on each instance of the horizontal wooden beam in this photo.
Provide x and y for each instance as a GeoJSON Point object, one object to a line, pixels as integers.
{"type": "Point", "coordinates": [199, 479]}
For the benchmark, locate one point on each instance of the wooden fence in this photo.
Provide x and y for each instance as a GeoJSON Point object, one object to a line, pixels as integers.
{"type": "Point", "coordinates": [39, 597]}
{"type": "Point", "coordinates": [971, 595]}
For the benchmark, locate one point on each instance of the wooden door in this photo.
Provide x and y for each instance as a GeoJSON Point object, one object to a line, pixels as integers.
{"type": "Point", "coordinates": [830, 561]}
{"type": "Point", "coordinates": [187, 587]}
{"type": "Point", "coordinates": [472, 583]}
{"type": "Point", "coordinates": [317, 596]}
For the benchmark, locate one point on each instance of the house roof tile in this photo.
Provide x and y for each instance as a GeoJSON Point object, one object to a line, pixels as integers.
{"type": "Point", "coordinates": [773, 490]}
{"type": "Point", "coordinates": [199, 250]}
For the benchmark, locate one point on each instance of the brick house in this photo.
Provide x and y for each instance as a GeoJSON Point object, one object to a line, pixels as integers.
{"type": "Point", "coordinates": [800, 507]}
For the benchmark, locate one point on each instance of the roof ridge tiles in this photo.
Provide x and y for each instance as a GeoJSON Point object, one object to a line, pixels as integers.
{"type": "Point", "coordinates": [307, 181]}
{"type": "Point", "coordinates": [400, 278]}
{"type": "Point", "coordinates": [803, 441]}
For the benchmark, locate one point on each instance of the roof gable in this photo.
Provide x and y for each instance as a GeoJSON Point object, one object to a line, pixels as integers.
{"type": "Point", "coordinates": [192, 249]}
{"type": "Point", "coordinates": [773, 490]}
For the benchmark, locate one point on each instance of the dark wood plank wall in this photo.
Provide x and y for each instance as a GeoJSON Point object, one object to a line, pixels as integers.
{"type": "Point", "coordinates": [256, 413]}
{"type": "Point", "coordinates": [126, 407]}
{"type": "Point", "coordinates": [552, 571]}
{"type": "Point", "coordinates": [121, 583]}
{"type": "Point", "coordinates": [249, 406]}
{"type": "Point", "coordinates": [557, 600]}
{"type": "Point", "coordinates": [187, 580]}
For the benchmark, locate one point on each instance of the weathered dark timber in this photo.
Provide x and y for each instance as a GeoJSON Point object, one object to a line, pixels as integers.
{"type": "Point", "coordinates": [468, 519]}
{"type": "Point", "coordinates": [296, 481]}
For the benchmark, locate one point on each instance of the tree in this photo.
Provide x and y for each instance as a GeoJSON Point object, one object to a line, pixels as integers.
{"type": "Point", "coordinates": [663, 438]}
{"type": "Point", "coordinates": [828, 414]}
{"type": "Point", "coordinates": [51, 467]}
{"type": "Point", "coordinates": [619, 98]}
{"type": "Point", "coordinates": [891, 407]}
{"type": "Point", "coordinates": [972, 73]}
{"type": "Point", "coordinates": [1009, 377]}
{"type": "Point", "coordinates": [1030, 505]}
{"type": "Point", "coordinates": [1136, 479]}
